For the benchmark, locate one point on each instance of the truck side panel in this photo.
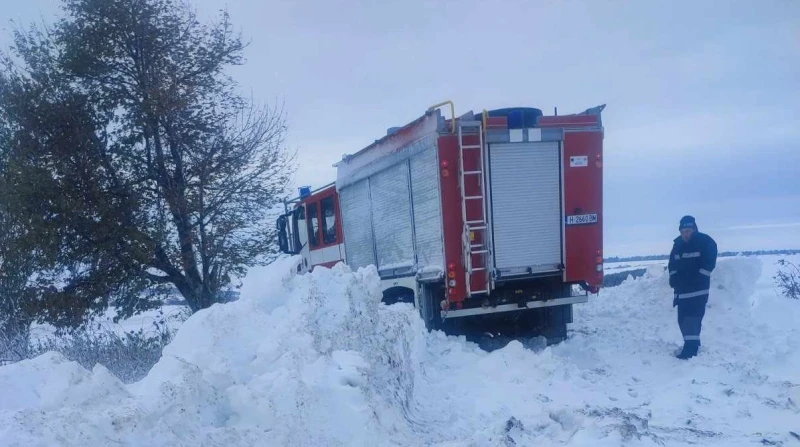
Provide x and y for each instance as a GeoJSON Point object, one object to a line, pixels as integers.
{"type": "Point", "coordinates": [583, 184]}
{"type": "Point", "coordinates": [392, 216]}
{"type": "Point", "coordinates": [357, 222]}
{"type": "Point", "coordinates": [392, 219]}
{"type": "Point", "coordinates": [427, 208]}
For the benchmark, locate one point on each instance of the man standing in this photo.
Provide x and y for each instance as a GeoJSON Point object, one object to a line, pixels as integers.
{"type": "Point", "coordinates": [693, 258]}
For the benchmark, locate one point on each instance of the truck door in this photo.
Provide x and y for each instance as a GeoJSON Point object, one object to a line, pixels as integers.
{"type": "Point", "coordinates": [526, 207]}
{"type": "Point", "coordinates": [292, 235]}
{"type": "Point", "coordinates": [302, 235]}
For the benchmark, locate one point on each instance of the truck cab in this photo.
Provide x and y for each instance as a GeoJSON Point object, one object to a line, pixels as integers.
{"type": "Point", "coordinates": [311, 227]}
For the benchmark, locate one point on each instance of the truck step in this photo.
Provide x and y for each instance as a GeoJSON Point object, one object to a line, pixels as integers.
{"type": "Point", "coordinates": [478, 228]}
{"type": "Point", "coordinates": [472, 222]}
{"type": "Point", "coordinates": [478, 252]}
{"type": "Point", "coordinates": [471, 146]}
{"type": "Point", "coordinates": [473, 197]}
{"type": "Point", "coordinates": [473, 172]}
{"type": "Point", "coordinates": [475, 292]}
{"type": "Point", "coordinates": [478, 269]}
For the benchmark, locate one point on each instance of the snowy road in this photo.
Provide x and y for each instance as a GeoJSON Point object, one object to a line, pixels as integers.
{"type": "Point", "coordinates": [318, 361]}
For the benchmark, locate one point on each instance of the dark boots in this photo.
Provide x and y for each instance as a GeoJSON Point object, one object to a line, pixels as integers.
{"type": "Point", "coordinates": [690, 348]}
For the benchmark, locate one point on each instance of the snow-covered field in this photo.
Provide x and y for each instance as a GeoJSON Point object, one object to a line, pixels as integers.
{"type": "Point", "coordinates": [318, 361]}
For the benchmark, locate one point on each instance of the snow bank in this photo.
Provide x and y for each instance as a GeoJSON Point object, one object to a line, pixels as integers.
{"type": "Point", "coordinates": [51, 382]}
{"type": "Point", "coordinates": [318, 360]}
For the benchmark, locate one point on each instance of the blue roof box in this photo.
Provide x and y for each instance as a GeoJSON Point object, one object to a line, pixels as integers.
{"type": "Point", "coordinates": [518, 117]}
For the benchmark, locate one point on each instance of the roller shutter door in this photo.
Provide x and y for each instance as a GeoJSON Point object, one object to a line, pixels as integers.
{"type": "Point", "coordinates": [526, 207]}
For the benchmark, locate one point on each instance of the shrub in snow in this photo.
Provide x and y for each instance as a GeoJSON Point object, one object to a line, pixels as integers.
{"type": "Point", "coordinates": [128, 356]}
{"type": "Point", "coordinates": [13, 345]}
{"type": "Point", "coordinates": [14, 320]}
{"type": "Point", "coordinates": [788, 279]}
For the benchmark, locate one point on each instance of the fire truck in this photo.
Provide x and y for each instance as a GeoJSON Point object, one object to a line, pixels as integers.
{"type": "Point", "coordinates": [494, 216]}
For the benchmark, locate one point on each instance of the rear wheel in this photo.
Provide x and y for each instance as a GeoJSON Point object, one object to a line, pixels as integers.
{"type": "Point", "coordinates": [555, 320]}
{"type": "Point", "coordinates": [398, 295]}
{"type": "Point", "coordinates": [429, 304]}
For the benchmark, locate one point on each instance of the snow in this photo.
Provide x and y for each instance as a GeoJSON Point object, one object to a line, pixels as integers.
{"type": "Point", "coordinates": [317, 360]}
{"type": "Point", "coordinates": [611, 267]}
{"type": "Point", "coordinates": [51, 382]}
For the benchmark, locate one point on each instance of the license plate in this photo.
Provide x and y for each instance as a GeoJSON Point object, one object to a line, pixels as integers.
{"type": "Point", "coordinates": [582, 219]}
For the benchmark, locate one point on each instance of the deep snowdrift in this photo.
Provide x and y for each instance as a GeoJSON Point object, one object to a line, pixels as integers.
{"type": "Point", "coordinates": [317, 360]}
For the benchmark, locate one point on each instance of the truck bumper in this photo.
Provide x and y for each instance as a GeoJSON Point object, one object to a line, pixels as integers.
{"type": "Point", "coordinates": [458, 313]}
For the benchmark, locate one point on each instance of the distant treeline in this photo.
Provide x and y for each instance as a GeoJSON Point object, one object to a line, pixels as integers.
{"type": "Point", "coordinates": [724, 254]}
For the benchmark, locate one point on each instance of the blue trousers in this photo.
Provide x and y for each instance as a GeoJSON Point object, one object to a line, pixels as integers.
{"type": "Point", "coordinates": [690, 317]}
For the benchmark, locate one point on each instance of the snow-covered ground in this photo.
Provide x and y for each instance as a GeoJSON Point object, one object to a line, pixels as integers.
{"type": "Point", "coordinates": [318, 361]}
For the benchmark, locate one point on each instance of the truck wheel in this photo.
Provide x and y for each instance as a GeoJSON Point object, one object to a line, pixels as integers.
{"type": "Point", "coordinates": [557, 318]}
{"type": "Point", "coordinates": [429, 310]}
{"type": "Point", "coordinates": [398, 295]}
{"type": "Point", "coordinates": [555, 323]}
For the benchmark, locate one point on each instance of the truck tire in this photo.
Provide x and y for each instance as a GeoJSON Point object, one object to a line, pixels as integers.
{"type": "Point", "coordinates": [398, 295]}
{"type": "Point", "coordinates": [430, 297]}
{"type": "Point", "coordinates": [555, 323]}
{"type": "Point", "coordinates": [558, 318]}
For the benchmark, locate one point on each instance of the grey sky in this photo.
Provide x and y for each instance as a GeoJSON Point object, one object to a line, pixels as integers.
{"type": "Point", "coordinates": [702, 96]}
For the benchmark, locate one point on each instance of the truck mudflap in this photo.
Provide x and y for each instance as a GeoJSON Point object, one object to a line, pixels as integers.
{"type": "Point", "coordinates": [514, 307]}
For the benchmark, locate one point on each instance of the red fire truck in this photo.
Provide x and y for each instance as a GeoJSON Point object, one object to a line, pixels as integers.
{"type": "Point", "coordinates": [490, 216]}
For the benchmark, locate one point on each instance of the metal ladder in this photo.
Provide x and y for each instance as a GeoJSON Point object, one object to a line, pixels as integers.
{"type": "Point", "coordinates": [478, 224]}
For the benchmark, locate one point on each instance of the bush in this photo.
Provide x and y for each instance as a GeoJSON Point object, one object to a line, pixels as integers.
{"type": "Point", "coordinates": [128, 356]}
{"type": "Point", "coordinates": [14, 345]}
{"type": "Point", "coordinates": [788, 279]}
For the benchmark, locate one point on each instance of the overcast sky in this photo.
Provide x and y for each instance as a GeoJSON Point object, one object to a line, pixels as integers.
{"type": "Point", "coordinates": [703, 97]}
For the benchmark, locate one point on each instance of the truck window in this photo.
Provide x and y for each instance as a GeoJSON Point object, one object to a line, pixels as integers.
{"type": "Point", "coordinates": [313, 224]}
{"type": "Point", "coordinates": [328, 220]}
